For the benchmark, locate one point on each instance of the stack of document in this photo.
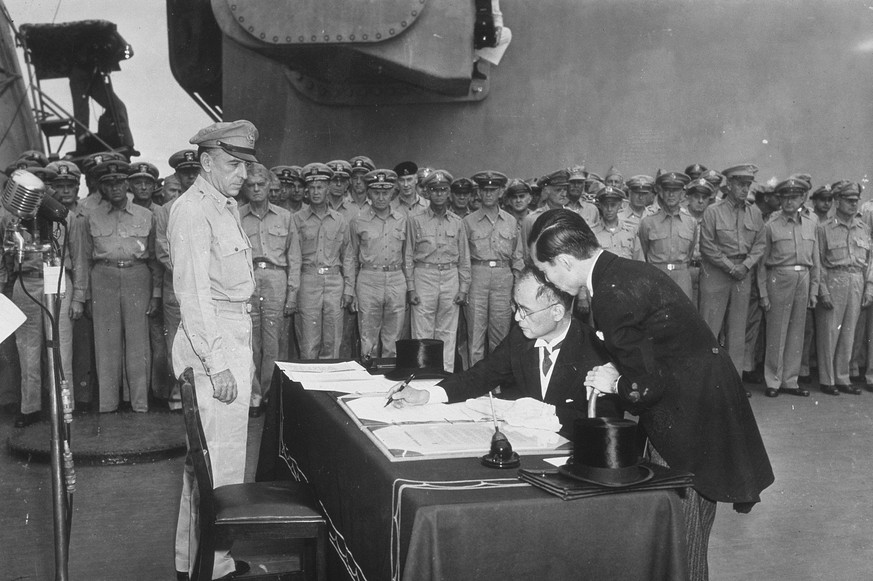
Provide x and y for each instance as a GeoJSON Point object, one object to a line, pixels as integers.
{"type": "Point", "coordinates": [345, 377]}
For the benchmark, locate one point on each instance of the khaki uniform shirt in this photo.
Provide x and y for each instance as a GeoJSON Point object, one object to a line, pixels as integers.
{"type": "Point", "coordinates": [437, 240]}
{"type": "Point", "coordinates": [211, 259]}
{"type": "Point", "coordinates": [419, 205]}
{"type": "Point", "coordinates": [844, 246]}
{"type": "Point", "coordinates": [727, 230]}
{"type": "Point", "coordinates": [274, 239]}
{"type": "Point", "coordinates": [113, 234]}
{"type": "Point", "coordinates": [789, 242]}
{"type": "Point", "coordinates": [621, 240]}
{"type": "Point", "coordinates": [324, 241]}
{"type": "Point", "coordinates": [668, 238]}
{"type": "Point", "coordinates": [375, 241]}
{"type": "Point", "coordinates": [494, 238]}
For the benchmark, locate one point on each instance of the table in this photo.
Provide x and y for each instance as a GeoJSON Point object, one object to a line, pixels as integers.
{"type": "Point", "coordinates": [455, 519]}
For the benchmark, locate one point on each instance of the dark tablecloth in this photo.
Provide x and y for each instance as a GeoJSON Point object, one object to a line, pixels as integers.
{"type": "Point", "coordinates": [455, 519]}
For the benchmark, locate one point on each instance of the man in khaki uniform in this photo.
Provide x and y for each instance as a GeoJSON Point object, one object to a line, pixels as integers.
{"type": "Point", "coordinates": [668, 238]}
{"type": "Point", "coordinates": [276, 252]}
{"type": "Point", "coordinates": [213, 280]}
{"type": "Point", "coordinates": [614, 234]}
{"type": "Point", "coordinates": [727, 235]}
{"type": "Point", "coordinates": [846, 287]}
{"type": "Point", "coordinates": [377, 238]}
{"type": "Point", "coordinates": [788, 279]}
{"type": "Point", "coordinates": [495, 258]}
{"type": "Point", "coordinates": [324, 241]}
{"type": "Point", "coordinates": [115, 267]}
{"type": "Point", "coordinates": [437, 261]}
{"type": "Point", "coordinates": [640, 190]}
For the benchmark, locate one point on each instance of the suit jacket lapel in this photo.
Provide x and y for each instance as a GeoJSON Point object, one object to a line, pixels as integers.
{"type": "Point", "coordinates": [530, 363]}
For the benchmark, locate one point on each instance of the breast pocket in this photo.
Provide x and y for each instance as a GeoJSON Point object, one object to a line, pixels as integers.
{"type": "Point", "coordinates": [308, 239]}
{"type": "Point", "coordinates": [480, 244]}
{"type": "Point", "coordinates": [234, 262]}
{"type": "Point", "coordinates": [808, 242]}
{"type": "Point", "coordinates": [726, 236]}
{"type": "Point", "coordinates": [838, 250]}
{"type": "Point", "coordinates": [504, 242]}
{"type": "Point", "coordinates": [783, 243]}
{"type": "Point", "coordinates": [277, 237]}
{"type": "Point", "coordinates": [136, 229]}
{"type": "Point", "coordinates": [658, 242]}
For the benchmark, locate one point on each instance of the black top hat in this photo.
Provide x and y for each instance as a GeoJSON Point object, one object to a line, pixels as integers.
{"type": "Point", "coordinates": [423, 357]}
{"type": "Point", "coordinates": [605, 453]}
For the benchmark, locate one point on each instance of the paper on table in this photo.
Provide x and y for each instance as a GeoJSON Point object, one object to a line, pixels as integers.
{"type": "Point", "coordinates": [11, 317]}
{"type": "Point", "coordinates": [373, 384]}
{"type": "Point", "coordinates": [461, 438]}
{"type": "Point", "coordinates": [557, 461]}
{"type": "Point", "coordinates": [374, 409]}
{"type": "Point", "coordinates": [293, 369]}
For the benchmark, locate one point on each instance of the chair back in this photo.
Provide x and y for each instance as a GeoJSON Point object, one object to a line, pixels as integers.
{"type": "Point", "coordinates": [198, 450]}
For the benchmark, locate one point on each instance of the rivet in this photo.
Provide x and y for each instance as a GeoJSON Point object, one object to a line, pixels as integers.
{"type": "Point", "coordinates": [365, 37]}
{"type": "Point", "coordinates": [378, 35]}
{"type": "Point", "coordinates": [403, 24]}
{"type": "Point", "coordinates": [414, 13]}
{"type": "Point", "coordinates": [233, 6]}
{"type": "Point", "coordinates": [314, 38]}
{"type": "Point", "coordinates": [288, 39]}
{"type": "Point", "coordinates": [301, 39]}
{"type": "Point", "coordinates": [326, 38]}
{"type": "Point", "coordinates": [275, 39]}
{"type": "Point", "coordinates": [391, 31]}
{"type": "Point", "coordinates": [339, 36]}
{"type": "Point", "coordinates": [351, 37]}
{"type": "Point", "coordinates": [263, 36]}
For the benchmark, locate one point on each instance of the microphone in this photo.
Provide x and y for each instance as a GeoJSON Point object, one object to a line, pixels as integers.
{"type": "Point", "coordinates": [23, 194]}
{"type": "Point", "coordinates": [52, 210]}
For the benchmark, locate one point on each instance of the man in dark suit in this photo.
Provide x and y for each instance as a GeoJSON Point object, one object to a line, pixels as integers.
{"type": "Point", "coordinates": [545, 357]}
{"type": "Point", "coordinates": [669, 370]}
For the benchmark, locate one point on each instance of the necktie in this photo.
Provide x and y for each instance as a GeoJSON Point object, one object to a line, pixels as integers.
{"type": "Point", "coordinates": [547, 359]}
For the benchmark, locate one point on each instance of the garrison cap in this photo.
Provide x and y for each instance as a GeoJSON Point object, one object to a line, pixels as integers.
{"type": "Point", "coordinates": [824, 191]}
{"type": "Point", "coordinates": [672, 178]}
{"type": "Point", "coordinates": [112, 169]}
{"type": "Point", "coordinates": [463, 186]}
{"type": "Point", "coordinates": [609, 193]}
{"type": "Point", "coordinates": [641, 183]}
{"type": "Point", "coordinates": [287, 173]}
{"type": "Point", "coordinates": [405, 168]}
{"type": "Point", "coordinates": [803, 176]}
{"type": "Point", "coordinates": [517, 187]}
{"type": "Point", "coordinates": [341, 168]}
{"type": "Point", "coordinates": [184, 158]}
{"type": "Point", "coordinates": [694, 170]}
{"type": "Point", "coordinates": [701, 185]}
{"type": "Point", "coordinates": [65, 170]}
{"type": "Point", "coordinates": [791, 186]}
{"type": "Point", "coordinates": [34, 155]}
{"type": "Point", "coordinates": [436, 178]}
{"type": "Point", "coordinates": [380, 179]}
{"type": "Point", "coordinates": [235, 138]}
{"type": "Point", "coordinates": [43, 173]}
{"type": "Point", "coordinates": [26, 164]}
{"type": "Point", "coordinates": [577, 173]}
{"type": "Point", "coordinates": [361, 164]}
{"type": "Point", "coordinates": [315, 172]}
{"type": "Point", "coordinates": [712, 177]}
{"type": "Point", "coordinates": [559, 177]}
{"type": "Point", "coordinates": [613, 172]}
{"type": "Point", "coordinates": [743, 170]}
{"type": "Point", "coordinates": [91, 162]}
{"type": "Point", "coordinates": [144, 169]}
{"type": "Point", "coordinates": [489, 179]}
{"type": "Point", "coordinates": [847, 189]}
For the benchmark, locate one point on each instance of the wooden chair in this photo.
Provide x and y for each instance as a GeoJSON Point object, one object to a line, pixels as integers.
{"type": "Point", "coordinates": [249, 511]}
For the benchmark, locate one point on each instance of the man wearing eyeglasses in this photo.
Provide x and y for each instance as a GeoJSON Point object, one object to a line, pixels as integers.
{"type": "Point", "coordinates": [545, 356]}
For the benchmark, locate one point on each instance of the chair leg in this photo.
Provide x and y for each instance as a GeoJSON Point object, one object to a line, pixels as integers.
{"type": "Point", "coordinates": [205, 558]}
{"type": "Point", "coordinates": [320, 549]}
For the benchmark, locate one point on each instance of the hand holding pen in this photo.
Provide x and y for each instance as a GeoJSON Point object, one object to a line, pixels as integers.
{"type": "Point", "coordinates": [410, 397]}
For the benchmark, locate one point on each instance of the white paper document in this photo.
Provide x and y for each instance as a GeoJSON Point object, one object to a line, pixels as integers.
{"type": "Point", "coordinates": [374, 409]}
{"type": "Point", "coordinates": [461, 438]}
{"type": "Point", "coordinates": [11, 317]}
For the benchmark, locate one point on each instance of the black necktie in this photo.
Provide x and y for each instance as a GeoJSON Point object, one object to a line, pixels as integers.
{"type": "Point", "coordinates": [547, 360]}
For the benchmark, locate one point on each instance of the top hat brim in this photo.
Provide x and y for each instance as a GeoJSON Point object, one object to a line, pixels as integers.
{"type": "Point", "coordinates": [610, 477]}
{"type": "Point", "coordinates": [420, 373]}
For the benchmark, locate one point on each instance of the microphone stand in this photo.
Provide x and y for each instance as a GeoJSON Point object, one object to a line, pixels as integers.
{"type": "Point", "coordinates": [60, 507]}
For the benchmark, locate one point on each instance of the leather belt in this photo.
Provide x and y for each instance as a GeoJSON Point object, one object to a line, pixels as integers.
{"type": "Point", "coordinates": [847, 268]}
{"type": "Point", "coordinates": [794, 267]}
{"type": "Point", "coordinates": [232, 306]}
{"type": "Point", "coordinates": [491, 263]}
{"type": "Point", "coordinates": [266, 264]}
{"type": "Point", "coordinates": [31, 274]}
{"type": "Point", "coordinates": [694, 264]}
{"type": "Point", "coordinates": [119, 263]}
{"type": "Point", "coordinates": [382, 268]}
{"type": "Point", "coordinates": [312, 269]}
{"type": "Point", "coordinates": [673, 265]}
{"type": "Point", "coordinates": [738, 257]}
{"type": "Point", "coordinates": [435, 266]}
